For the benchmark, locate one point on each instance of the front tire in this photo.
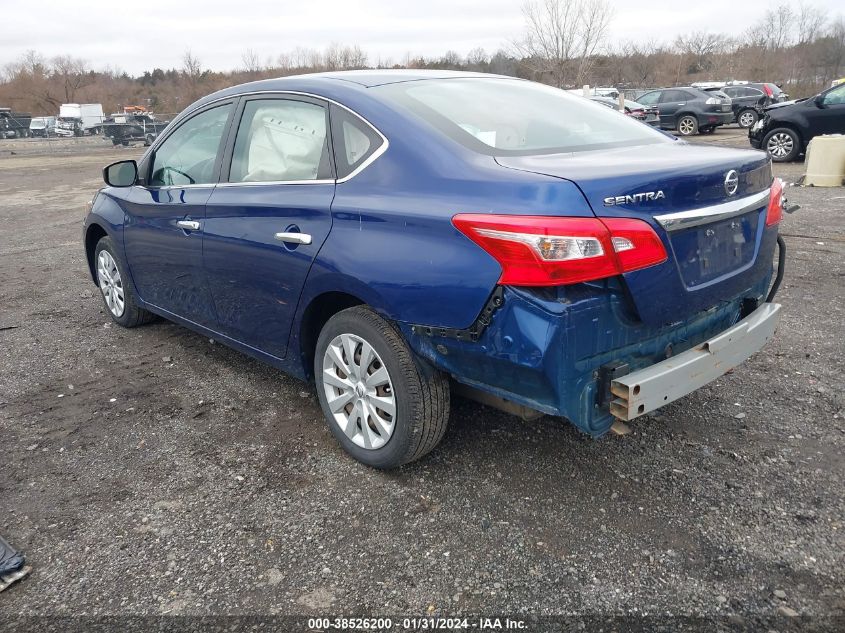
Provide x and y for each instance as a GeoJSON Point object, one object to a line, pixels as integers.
{"type": "Point", "coordinates": [782, 145]}
{"type": "Point", "coordinates": [384, 406]}
{"type": "Point", "coordinates": [112, 278]}
{"type": "Point", "coordinates": [687, 125]}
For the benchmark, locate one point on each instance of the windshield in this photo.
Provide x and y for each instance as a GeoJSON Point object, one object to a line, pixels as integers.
{"type": "Point", "coordinates": [505, 117]}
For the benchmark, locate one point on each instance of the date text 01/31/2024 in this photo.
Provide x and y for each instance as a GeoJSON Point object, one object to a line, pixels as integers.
{"type": "Point", "coordinates": [415, 624]}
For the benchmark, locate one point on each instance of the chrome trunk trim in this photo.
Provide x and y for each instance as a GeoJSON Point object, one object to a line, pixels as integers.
{"type": "Point", "coordinates": [696, 217]}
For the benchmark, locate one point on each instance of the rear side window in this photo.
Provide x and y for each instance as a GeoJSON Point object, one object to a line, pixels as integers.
{"type": "Point", "coordinates": [281, 140]}
{"type": "Point", "coordinates": [188, 156]}
{"type": "Point", "coordinates": [354, 141]}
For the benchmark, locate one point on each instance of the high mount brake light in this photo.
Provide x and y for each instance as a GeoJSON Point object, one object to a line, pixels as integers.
{"type": "Point", "coordinates": [556, 251]}
{"type": "Point", "coordinates": [774, 212]}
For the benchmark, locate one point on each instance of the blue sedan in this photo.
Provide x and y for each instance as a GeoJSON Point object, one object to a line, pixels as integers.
{"type": "Point", "coordinates": [397, 235]}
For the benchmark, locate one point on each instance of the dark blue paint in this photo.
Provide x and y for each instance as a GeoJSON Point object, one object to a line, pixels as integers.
{"type": "Point", "coordinates": [165, 260]}
{"type": "Point", "coordinates": [543, 349]}
{"type": "Point", "coordinates": [257, 279]}
{"type": "Point", "coordinates": [386, 238]}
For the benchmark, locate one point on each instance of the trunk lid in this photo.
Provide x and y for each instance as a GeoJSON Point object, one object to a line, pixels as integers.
{"type": "Point", "coordinates": [714, 235]}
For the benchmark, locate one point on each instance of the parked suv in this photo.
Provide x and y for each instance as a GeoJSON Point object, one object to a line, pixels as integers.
{"type": "Point", "coordinates": [748, 99]}
{"type": "Point", "coordinates": [690, 110]}
{"type": "Point", "coordinates": [785, 130]}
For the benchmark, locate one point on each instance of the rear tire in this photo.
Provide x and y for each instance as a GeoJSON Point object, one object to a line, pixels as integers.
{"type": "Point", "coordinates": [115, 289]}
{"type": "Point", "coordinates": [747, 118]}
{"type": "Point", "coordinates": [362, 363]}
{"type": "Point", "coordinates": [687, 125]}
{"type": "Point", "coordinates": [782, 145]}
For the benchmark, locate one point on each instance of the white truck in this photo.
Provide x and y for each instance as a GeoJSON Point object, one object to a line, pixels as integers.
{"type": "Point", "coordinates": [77, 119]}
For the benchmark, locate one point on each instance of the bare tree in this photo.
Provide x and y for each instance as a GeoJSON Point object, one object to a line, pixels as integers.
{"type": "Point", "coordinates": [73, 74]}
{"type": "Point", "coordinates": [641, 63]}
{"type": "Point", "coordinates": [477, 59]}
{"type": "Point", "coordinates": [191, 66]}
{"type": "Point", "coordinates": [594, 21]}
{"type": "Point", "coordinates": [698, 50]}
{"type": "Point", "coordinates": [809, 23]}
{"type": "Point", "coordinates": [831, 50]}
{"type": "Point", "coordinates": [250, 61]}
{"type": "Point", "coordinates": [559, 34]}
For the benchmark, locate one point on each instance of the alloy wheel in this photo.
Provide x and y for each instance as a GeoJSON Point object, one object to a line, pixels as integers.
{"type": "Point", "coordinates": [359, 391]}
{"type": "Point", "coordinates": [686, 126]}
{"type": "Point", "coordinates": [747, 119]}
{"type": "Point", "coordinates": [780, 145]}
{"type": "Point", "coordinates": [110, 283]}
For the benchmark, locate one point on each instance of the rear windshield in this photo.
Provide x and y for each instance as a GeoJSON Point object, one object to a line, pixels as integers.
{"type": "Point", "coordinates": [503, 117]}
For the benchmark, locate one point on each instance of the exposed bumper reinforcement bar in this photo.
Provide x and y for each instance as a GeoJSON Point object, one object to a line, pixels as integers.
{"type": "Point", "coordinates": [648, 389]}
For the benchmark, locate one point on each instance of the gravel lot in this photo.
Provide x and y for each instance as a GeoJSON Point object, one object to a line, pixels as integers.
{"type": "Point", "coordinates": [150, 471]}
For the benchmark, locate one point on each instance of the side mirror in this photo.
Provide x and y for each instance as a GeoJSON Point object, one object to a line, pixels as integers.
{"type": "Point", "coordinates": [123, 173]}
{"type": "Point", "coordinates": [819, 101]}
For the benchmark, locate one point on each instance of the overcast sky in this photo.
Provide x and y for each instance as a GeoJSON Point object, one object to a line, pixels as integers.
{"type": "Point", "coordinates": [147, 35]}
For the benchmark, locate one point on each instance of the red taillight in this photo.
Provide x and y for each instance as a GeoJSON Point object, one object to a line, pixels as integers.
{"type": "Point", "coordinates": [635, 243]}
{"type": "Point", "coordinates": [774, 213]}
{"type": "Point", "coordinates": [555, 251]}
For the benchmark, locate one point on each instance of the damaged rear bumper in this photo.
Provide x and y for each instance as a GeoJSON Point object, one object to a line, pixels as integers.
{"type": "Point", "coordinates": [642, 391]}
{"type": "Point", "coordinates": [547, 350]}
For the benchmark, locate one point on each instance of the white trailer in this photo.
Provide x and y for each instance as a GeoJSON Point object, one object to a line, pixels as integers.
{"type": "Point", "coordinates": [76, 119]}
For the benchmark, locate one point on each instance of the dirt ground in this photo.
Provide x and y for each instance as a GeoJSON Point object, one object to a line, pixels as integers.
{"type": "Point", "coordinates": [151, 471]}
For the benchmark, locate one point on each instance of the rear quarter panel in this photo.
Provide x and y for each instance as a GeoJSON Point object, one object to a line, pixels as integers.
{"type": "Point", "coordinates": [393, 243]}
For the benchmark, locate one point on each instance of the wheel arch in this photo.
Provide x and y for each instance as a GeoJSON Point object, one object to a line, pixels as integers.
{"type": "Point", "coordinates": [314, 316]}
{"type": "Point", "coordinates": [776, 125]}
{"type": "Point", "coordinates": [681, 115]}
{"type": "Point", "coordinates": [93, 234]}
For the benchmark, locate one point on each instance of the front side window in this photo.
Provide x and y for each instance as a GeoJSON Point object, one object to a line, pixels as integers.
{"type": "Point", "coordinates": [649, 98]}
{"type": "Point", "coordinates": [281, 140]}
{"type": "Point", "coordinates": [835, 96]}
{"type": "Point", "coordinates": [188, 155]}
{"type": "Point", "coordinates": [509, 117]}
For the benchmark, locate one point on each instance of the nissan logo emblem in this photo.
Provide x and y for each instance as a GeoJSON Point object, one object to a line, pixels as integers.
{"type": "Point", "coordinates": [731, 182]}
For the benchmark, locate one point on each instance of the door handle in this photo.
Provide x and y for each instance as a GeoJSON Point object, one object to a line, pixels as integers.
{"type": "Point", "coordinates": [188, 225]}
{"type": "Point", "coordinates": [293, 238]}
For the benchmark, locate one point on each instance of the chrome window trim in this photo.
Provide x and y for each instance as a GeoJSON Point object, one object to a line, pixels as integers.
{"type": "Point", "coordinates": [259, 183]}
{"type": "Point", "coordinates": [196, 185]}
{"type": "Point", "coordinates": [696, 217]}
{"type": "Point", "coordinates": [370, 160]}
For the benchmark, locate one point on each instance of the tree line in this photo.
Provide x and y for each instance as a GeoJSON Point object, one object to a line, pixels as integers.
{"type": "Point", "coordinates": [564, 43]}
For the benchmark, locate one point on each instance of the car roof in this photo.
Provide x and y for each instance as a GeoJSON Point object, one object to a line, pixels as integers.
{"type": "Point", "coordinates": [371, 78]}
{"type": "Point", "coordinates": [338, 84]}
